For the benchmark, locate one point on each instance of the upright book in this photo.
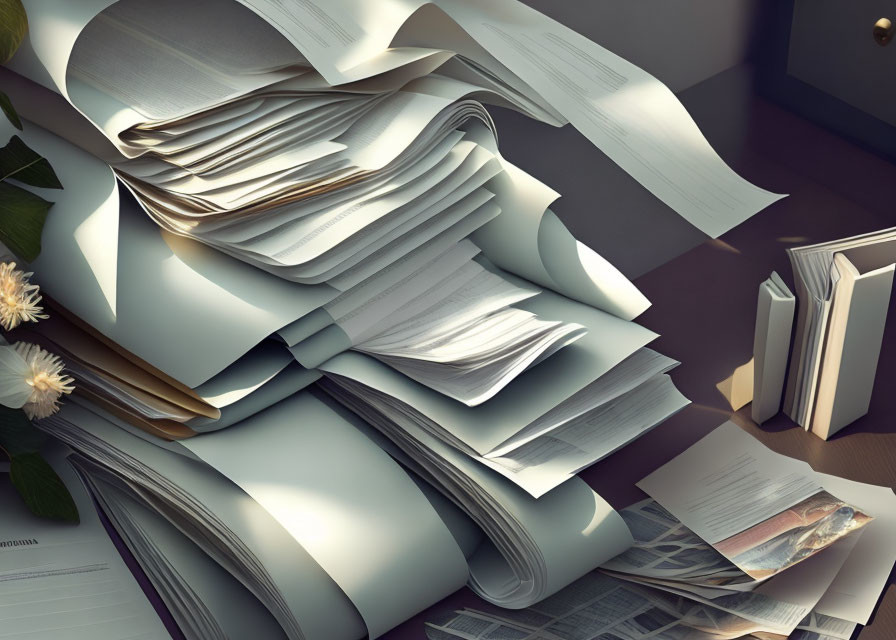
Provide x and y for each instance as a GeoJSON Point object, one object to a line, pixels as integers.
{"type": "Point", "coordinates": [771, 345]}
{"type": "Point", "coordinates": [844, 291]}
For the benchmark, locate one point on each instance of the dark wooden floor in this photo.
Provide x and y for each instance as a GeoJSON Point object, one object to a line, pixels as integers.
{"type": "Point", "coordinates": [704, 305]}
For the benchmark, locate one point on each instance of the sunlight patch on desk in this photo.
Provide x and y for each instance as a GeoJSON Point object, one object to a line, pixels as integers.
{"type": "Point", "coordinates": [723, 246]}
{"type": "Point", "coordinates": [792, 239]}
{"type": "Point", "coordinates": [737, 388]}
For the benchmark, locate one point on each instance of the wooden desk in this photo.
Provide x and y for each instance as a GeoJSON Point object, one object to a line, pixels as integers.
{"type": "Point", "coordinates": [704, 304]}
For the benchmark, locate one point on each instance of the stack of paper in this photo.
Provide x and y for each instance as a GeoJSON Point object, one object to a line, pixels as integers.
{"type": "Point", "coordinates": [358, 173]}
{"type": "Point", "coordinates": [222, 337]}
{"type": "Point", "coordinates": [315, 190]}
{"type": "Point", "coordinates": [202, 358]}
{"type": "Point", "coordinates": [164, 368]}
{"type": "Point", "coordinates": [531, 434]}
{"type": "Point", "coordinates": [280, 490]}
{"type": "Point", "coordinates": [737, 518]}
{"type": "Point", "coordinates": [776, 555]}
{"type": "Point", "coordinates": [142, 65]}
{"type": "Point", "coordinates": [204, 599]}
{"type": "Point", "coordinates": [598, 606]}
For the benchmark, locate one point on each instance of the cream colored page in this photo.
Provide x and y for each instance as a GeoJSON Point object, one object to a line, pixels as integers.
{"type": "Point", "coordinates": [343, 499]}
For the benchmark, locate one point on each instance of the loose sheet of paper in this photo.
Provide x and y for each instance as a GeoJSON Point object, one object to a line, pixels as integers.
{"type": "Point", "coordinates": [763, 511]}
{"type": "Point", "coordinates": [623, 110]}
{"type": "Point", "coordinates": [58, 576]}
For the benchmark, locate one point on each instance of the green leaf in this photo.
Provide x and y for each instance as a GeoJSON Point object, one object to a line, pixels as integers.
{"type": "Point", "coordinates": [9, 110]}
{"type": "Point", "coordinates": [13, 27]}
{"type": "Point", "coordinates": [22, 216]}
{"type": "Point", "coordinates": [21, 163]}
{"type": "Point", "coordinates": [42, 490]}
{"type": "Point", "coordinates": [17, 434]}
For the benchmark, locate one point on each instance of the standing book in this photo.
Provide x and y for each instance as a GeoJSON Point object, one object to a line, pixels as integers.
{"type": "Point", "coordinates": [852, 347]}
{"type": "Point", "coordinates": [771, 343]}
{"type": "Point", "coordinates": [844, 291]}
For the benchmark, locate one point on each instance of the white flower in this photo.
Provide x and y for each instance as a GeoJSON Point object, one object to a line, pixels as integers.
{"type": "Point", "coordinates": [18, 298]}
{"type": "Point", "coordinates": [32, 379]}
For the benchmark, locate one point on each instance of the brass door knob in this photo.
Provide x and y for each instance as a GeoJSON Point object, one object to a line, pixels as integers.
{"type": "Point", "coordinates": [883, 31]}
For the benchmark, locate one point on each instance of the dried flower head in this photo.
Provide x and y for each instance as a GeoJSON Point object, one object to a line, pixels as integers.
{"type": "Point", "coordinates": [32, 379]}
{"type": "Point", "coordinates": [18, 298]}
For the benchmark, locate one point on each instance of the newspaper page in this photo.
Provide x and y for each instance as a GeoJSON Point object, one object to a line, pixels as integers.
{"type": "Point", "coordinates": [817, 626]}
{"type": "Point", "coordinates": [599, 607]}
{"type": "Point", "coordinates": [666, 549]}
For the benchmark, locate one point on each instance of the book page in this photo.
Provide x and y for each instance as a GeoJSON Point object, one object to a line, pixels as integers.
{"type": "Point", "coordinates": [624, 377]}
{"type": "Point", "coordinates": [608, 342]}
{"type": "Point", "coordinates": [627, 113]}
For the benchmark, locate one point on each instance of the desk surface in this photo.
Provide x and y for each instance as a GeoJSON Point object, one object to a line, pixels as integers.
{"type": "Point", "coordinates": [704, 305]}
